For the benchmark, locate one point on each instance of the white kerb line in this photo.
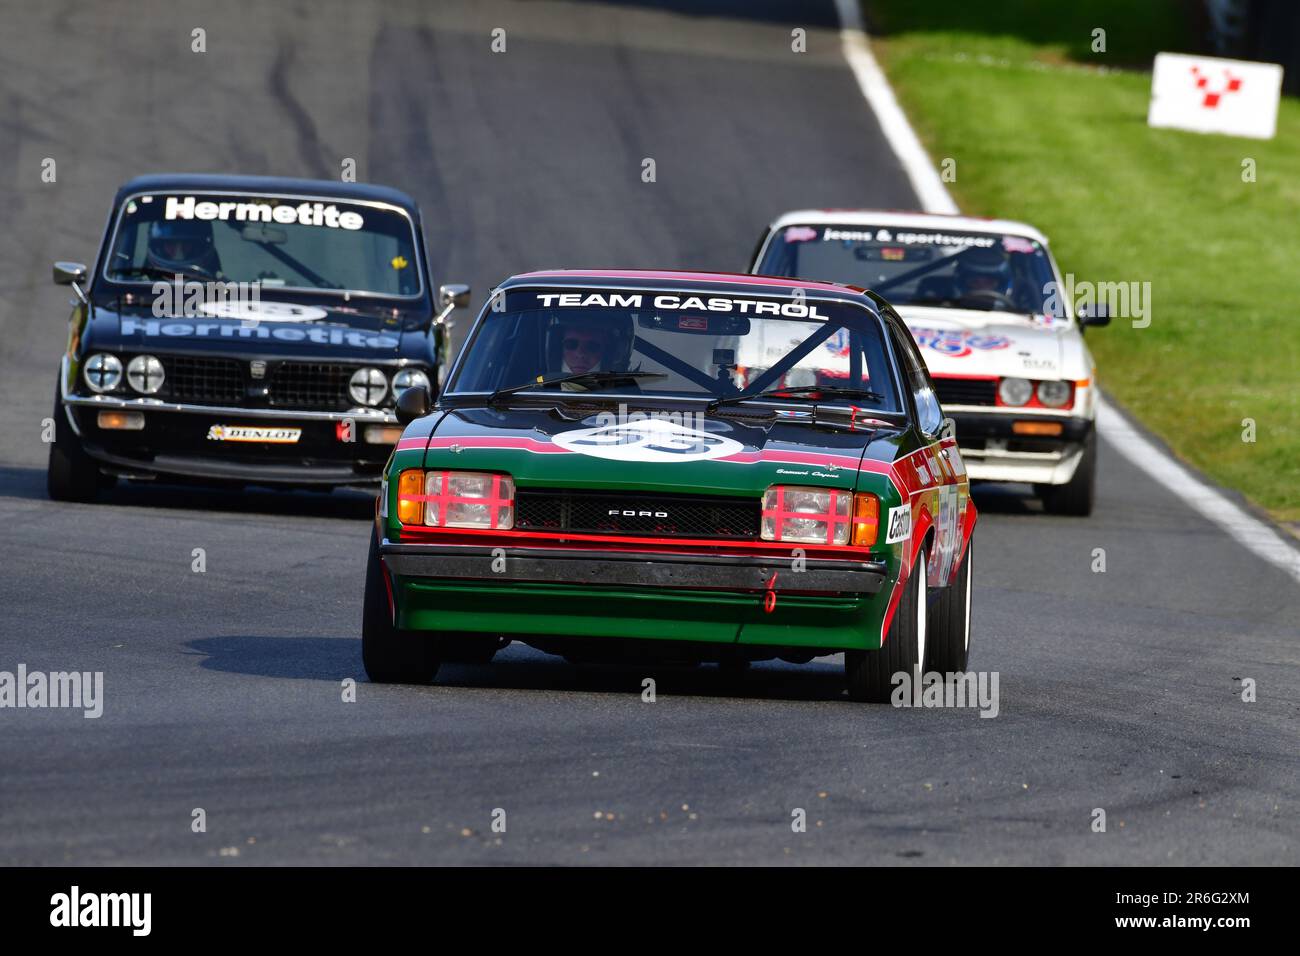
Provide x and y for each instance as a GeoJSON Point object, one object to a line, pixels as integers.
{"type": "Point", "coordinates": [927, 185]}
{"type": "Point", "coordinates": [1257, 536]}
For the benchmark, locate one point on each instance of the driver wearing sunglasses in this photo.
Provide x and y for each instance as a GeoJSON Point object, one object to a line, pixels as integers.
{"type": "Point", "coordinates": [582, 348]}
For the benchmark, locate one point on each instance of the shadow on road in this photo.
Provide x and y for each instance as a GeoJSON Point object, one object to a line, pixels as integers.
{"type": "Point", "coordinates": [519, 667]}
{"type": "Point", "coordinates": [992, 498]}
{"type": "Point", "coordinates": [29, 483]}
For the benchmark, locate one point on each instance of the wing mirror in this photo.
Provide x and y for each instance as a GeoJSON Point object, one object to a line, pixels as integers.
{"type": "Point", "coordinates": [413, 403]}
{"type": "Point", "coordinates": [66, 273]}
{"type": "Point", "coordinates": [453, 296]}
{"type": "Point", "coordinates": [1097, 313]}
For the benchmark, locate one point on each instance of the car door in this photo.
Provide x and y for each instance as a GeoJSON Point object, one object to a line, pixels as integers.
{"type": "Point", "coordinates": [939, 457]}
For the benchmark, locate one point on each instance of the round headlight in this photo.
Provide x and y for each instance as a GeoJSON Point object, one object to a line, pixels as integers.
{"type": "Point", "coordinates": [368, 386]}
{"type": "Point", "coordinates": [1015, 391]}
{"type": "Point", "coordinates": [1054, 394]}
{"type": "Point", "coordinates": [145, 373]}
{"type": "Point", "coordinates": [408, 378]}
{"type": "Point", "coordinates": [103, 372]}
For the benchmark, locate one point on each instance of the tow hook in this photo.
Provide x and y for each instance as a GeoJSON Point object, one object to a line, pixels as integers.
{"type": "Point", "coordinates": [769, 596]}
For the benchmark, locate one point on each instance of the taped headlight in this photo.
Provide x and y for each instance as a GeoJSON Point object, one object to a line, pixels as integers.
{"type": "Point", "coordinates": [145, 374]}
{"type": "Point", "coordinates": [368, 386]}
{"type": "Point", "coordinates": [103, 372]}
{"type": "Point", "coordinates": [803, 515]}
{"type": "Point", "coordinates": [469, 499]}
{"type": "Point", "coordinates": [409, 378]}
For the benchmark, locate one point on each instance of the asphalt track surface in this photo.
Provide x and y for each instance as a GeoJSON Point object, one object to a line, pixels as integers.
{"type": "Point", "coordinates": [1118, 690]}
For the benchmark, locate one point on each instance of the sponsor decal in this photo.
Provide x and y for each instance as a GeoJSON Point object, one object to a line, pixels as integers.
{"type": "Point", "coordinates": [262, 210]}
{"type": "Point", "coordinates": [957, 343]}
{"type": "Point", "coordinates": [1019, 244]}
{"type": "Point", "coordinates": [906, 238]}
{"type": "Point", "coordinates": [800, 233]}
{"type": "Point", "coordinates": [837, 343]}
{"type": "Point", "coordinates": [257, 311]}
{"type": "Point", "coordinates": [899, 525]}
{"type": "Point", "coordinates": [652, 440]}
{"type": "Point", "coordinates": [668, 303]}
{"type": "Point", "coordinates": [949, 534]}
{"type": "Point", "coordinates": [272, 436]}
{"type": "Point", "coordinates": [320, 335]}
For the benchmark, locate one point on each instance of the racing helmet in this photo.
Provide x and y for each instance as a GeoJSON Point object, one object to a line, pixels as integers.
{"type": "Point", "coordinates": [183, 246]}
{"type": "Point", "coordinates": [593, 343]}
{"type": "Point", "coordinates": [984, 269]}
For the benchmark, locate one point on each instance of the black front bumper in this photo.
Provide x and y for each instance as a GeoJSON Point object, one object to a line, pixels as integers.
{"type": "Point", "coordinates": [630, 568]}
{"type": "Point", "coordinates": [975, 428]}
{"type": "Point", "coordinates": [176, 444]}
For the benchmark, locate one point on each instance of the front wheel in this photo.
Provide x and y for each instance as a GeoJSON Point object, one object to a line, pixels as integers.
{"type": "Point", "coordinates": [950, 623]}
{"type": "Point", "coordinates": [390, 655]}
{"type": "Point", "coordinates": [72, 475]}
{"type": "Point", "coordinates": [1075, 497]}
{"type": "Point", "coordinates": [870, 674]}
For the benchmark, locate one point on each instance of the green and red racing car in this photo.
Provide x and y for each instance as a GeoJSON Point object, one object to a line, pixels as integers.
{"type": "Point", "coordinates": [672, 465]}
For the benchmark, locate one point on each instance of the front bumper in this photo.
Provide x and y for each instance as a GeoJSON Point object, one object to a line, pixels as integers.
{"type": "Point", "coordinates": [714, 598]}
{"type": "Point", "coordinates": [993, 451]}
{"type": "Point", "coordinates": [174, 443]}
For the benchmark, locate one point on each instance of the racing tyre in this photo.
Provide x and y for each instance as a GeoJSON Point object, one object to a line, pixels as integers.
{"type": "Point", "coordinates": [391, 656]}
{"type": "Point", "coordinates": [949, 637]}
{"type": "Point", "coordinates": [1075, 496]}
{"type": "Point", "coordinates": [72, 475]}
{"type": "Point", "coordinates": [870, 673]}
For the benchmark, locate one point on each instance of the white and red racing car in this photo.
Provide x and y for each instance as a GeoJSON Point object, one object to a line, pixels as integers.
{"type": "Point", "coordinates": [987, 304]}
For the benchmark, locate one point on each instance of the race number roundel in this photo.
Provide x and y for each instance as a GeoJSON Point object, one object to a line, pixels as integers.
{"type": "Point", "coordinates": [249, 311]}
{"type": "Point", "coordinates": [651, 440]}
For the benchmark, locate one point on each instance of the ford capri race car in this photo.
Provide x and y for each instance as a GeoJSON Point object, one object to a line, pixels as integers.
{"type": "Point", "coordinates": [985, 301]}
{"type": "Point", "coordinates": [680, 466]}
{"type": "Point", "coordinates": [246, 330]}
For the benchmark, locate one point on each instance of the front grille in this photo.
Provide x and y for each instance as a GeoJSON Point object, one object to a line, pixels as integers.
{"type": "Point", "coordinates": [205, 381]}
{"type": "Point", "coordinates": [966, 391]}
{"type": "Point", "coordinates": [311, 385]}
{"type": "Point", "coordinates": [670, 516]}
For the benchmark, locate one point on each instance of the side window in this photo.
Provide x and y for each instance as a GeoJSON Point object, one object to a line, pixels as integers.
{"type": "Point", "coordinates": [929, 413]}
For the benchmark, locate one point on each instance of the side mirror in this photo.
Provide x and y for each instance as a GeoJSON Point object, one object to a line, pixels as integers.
{"type": "Point", "coordinates": [1098, 313]}
{"type": "Point", "coordinates": [453, 296]}
{"type": "Point", "coordinates": [413, 403]}
{"type": "Point", "coordinates": [66, 273]}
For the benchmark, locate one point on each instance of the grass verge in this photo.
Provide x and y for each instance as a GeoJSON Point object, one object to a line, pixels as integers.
{"type": "Point", "coordinates": [1043, 129]}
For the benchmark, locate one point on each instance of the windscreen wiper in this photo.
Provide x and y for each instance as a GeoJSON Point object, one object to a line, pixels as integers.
{"type": "Point", "coordinates": [157, 272]}
{"type": "Point", "coordinates": [799, 391]}
{"type": "Point", "coordinates": [594, 378]}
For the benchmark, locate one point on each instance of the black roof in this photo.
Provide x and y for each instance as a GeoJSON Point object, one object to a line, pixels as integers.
{"type": "Point", "coordinates": [271, 185]}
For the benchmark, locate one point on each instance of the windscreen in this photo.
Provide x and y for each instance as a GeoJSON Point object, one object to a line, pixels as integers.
{"type": "Point", "coordinates": [930, 267]}
{"type": "Point", "coordinates": [275, 242]}
{"type": "Point", "coordinates": [656, 343]}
